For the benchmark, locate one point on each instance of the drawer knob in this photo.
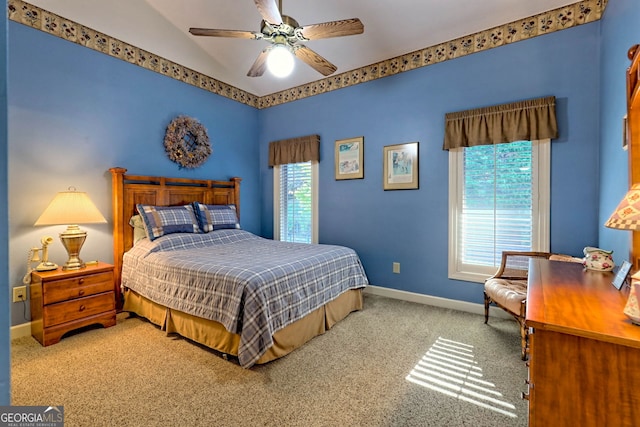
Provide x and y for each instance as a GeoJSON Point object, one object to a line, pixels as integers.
{"type": "Point", "coordinates": [82, 307]}
{"type": "Point", "coordinates": [81, 280]}
{"type": "Point", "coordinates": [524, 396]}
{"type": "Point", "coordinates": [81, 292]}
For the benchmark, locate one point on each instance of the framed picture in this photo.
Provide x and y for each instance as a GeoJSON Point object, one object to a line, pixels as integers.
{"type": "Point", "coordinates": [349, 158]}
{"type": "Point", "coordinates": [625, 133]}
{"type": "Point", "coordinates": [400, 166]}
{"type": "Point", "coordinates": [621, 275]}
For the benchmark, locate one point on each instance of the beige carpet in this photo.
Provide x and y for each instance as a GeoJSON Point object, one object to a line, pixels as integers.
{"type": "Point", "coordinates": [363, 372]}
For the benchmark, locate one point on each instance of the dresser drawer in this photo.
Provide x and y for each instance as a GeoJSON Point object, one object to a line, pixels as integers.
{"type": "Point", "coordinates": [79, 308]}
{"type": "Point", "coordinates": [77, 287]}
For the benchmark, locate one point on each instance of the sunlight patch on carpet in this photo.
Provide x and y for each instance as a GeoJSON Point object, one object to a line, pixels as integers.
{"type": "Point", "coordinates": [449, 367]}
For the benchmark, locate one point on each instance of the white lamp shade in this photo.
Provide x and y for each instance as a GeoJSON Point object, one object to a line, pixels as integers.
{"type": "Point", "coordinates": [70, 207]}
{"type": "Point", "coordinates": [627, 214]}
{"type": "Point", "coordinates": [280, 61]}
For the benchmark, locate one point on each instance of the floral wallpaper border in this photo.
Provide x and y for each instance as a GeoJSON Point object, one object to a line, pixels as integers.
{"type": "Point", "coordinates": [575, 14]}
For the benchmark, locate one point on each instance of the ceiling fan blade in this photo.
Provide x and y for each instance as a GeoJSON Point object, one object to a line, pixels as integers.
{"type": "Point", "coordinates": [260, 65]}
{"type": "Point", "coordinates": [314, 60]}
{"type": "Point", "coordinates": [345, 27]}
{"type": "Point", "coordinates": [269, 11]}
{"type": "Point", "coordinates": [222, 33]}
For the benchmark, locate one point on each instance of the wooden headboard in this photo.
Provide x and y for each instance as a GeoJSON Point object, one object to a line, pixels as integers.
{"type": "Point", "coordinates": [129, 190]}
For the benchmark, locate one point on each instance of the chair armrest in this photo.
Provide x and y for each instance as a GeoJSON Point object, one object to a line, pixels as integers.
{"type": "Point", "coordinates": [514, 265]}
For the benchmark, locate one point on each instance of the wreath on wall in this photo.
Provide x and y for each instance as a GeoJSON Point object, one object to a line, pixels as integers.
{"type": "Point", "coordinates": [186, 142]}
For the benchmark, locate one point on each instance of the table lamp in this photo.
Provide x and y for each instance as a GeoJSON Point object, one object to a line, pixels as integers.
{"type": "Point", "coordinates": [71, 207]}
{"type": "Point", "coordinates": [627, 217]}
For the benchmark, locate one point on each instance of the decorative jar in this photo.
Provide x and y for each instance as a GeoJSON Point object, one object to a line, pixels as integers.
{"type": "Point", "coordinates": [598, 259]}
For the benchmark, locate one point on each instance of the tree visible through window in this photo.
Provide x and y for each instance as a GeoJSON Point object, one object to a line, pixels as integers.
{"type": "Point", "coordinates": [495, 205]}
{"type": "Point", "coordinates": [295, 202]}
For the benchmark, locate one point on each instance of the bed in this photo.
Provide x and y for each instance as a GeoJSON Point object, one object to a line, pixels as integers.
{"type": "Point", "coordinates": [242, 295]}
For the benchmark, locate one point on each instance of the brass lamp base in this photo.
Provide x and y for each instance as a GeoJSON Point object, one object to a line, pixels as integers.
{"type": "Point", "coordinates": [72, 239]}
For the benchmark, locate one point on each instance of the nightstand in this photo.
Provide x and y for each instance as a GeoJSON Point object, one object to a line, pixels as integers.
{"type": "Point", "coordinates": [64, 300]}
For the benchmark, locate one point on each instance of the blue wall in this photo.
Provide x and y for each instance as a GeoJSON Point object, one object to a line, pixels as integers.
{"type": "Point", "coordinates": [5, 348]}
{"type": "Point", "coordinates": [410, 226]}
{"type": "Point", "coordinates": [620, 29]}
{"type": "Point", "coordinates": [75, 112]}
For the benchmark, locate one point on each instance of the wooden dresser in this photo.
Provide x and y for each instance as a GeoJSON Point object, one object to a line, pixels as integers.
{"type": "Point", "coordinates": [62, 301]}
{"type": "Point", "coordinates": [584, 354]}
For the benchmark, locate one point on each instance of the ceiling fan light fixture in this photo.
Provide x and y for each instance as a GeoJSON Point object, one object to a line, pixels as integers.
{"type": "Point", "coordinates": [284, 34]}
{"type": "Point", "coordinates": [280, 61]}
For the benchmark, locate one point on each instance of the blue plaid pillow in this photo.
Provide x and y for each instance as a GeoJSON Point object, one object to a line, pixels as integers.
{"type": "Point", "coordinates": [161, 220]}
{"type": "Point", "coordinates": [216, 217]}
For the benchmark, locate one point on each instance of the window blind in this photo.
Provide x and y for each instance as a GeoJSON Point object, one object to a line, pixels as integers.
{"type": "Point", "coordinates": [296, 202]}
{"type": "Point", "coordinates": [497, 202]}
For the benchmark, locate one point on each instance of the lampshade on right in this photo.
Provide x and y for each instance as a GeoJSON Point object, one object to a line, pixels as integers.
{"type": "Point", "coordinates": [627, 214]}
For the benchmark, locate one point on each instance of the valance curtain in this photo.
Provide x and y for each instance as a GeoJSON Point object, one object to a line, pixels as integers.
{"type": "Point", "coordinates": [520, 121]}
{"type": "Point", "coordinates": [295, 150]}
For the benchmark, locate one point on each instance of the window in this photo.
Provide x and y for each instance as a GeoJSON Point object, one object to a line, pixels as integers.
{"type": "Point", "coordinates": [498, 200]}
{"type": "Point", "coordinates": [295, 202]}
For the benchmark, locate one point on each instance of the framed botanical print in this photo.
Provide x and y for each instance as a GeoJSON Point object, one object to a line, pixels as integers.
{"type": "Point", "coordinates": [349, 158]}
{"type": "Point", "coordinates": [400, 166]}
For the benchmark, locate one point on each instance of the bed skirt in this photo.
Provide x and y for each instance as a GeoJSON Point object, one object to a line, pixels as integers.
{"type": "Point", "coordinates": [213, 335]}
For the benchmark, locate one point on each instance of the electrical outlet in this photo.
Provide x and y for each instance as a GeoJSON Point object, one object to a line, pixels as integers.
{"type": "Point", "coordinates": [396, 267]}
{"type": "Point", "coordinates": [19, 293]}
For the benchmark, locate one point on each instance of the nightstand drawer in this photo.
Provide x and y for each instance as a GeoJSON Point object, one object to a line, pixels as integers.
{"type": "Point", "coordinates": [77, 287]}
{"type": "Point", "coordinates": [79, 308]}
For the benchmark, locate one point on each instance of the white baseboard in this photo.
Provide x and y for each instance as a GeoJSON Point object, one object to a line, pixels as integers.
{"type": "Point", "coordinates": [22, 330]}
{"type": "Point", "coordinates": [468, 307]}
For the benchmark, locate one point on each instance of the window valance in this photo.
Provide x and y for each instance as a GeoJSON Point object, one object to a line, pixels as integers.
{"type": "Point", "coordinates": [519, 121]}
{"type": "Point", "coordinates": [294, 150]}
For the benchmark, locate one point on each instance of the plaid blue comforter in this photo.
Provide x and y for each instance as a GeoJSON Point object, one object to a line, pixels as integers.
{"type": "Point", "coordinates": [251, 285]}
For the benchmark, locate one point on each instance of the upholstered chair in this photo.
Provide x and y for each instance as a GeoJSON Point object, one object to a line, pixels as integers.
{"type": "Point", "coordinates": [508, 287]}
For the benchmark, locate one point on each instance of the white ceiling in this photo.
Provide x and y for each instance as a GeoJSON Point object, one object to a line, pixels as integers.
{"type": "Point", "coordinates": [391, 28]}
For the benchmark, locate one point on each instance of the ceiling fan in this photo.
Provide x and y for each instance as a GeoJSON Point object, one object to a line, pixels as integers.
{"type": "Point", "coordinates": [286, 37]}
